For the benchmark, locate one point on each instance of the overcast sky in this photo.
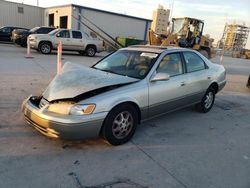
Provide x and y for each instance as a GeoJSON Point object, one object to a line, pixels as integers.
{"type": "Point", "coordinates": [214, 12]}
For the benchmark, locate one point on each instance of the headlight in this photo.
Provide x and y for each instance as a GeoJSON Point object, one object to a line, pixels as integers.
{"type": "Point", "coordinates": [82, 109]}
{"type": "Point", "coordinates": [71, 109]}
{"type": "Point", "coordinates": [60, 108]}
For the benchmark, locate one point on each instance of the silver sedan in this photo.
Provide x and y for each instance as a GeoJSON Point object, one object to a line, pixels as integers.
{"type": "Point", "coordinates": [122, 90]}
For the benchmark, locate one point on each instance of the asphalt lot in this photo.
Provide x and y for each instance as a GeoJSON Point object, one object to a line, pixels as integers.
{"type": "Point", "coordinates": [178, 150]}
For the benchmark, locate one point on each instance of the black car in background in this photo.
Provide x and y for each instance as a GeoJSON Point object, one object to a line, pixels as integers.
{"type": "Point", "coordinates": [20, 36]}
{"type": "Point", "coordinates": [6, 32]}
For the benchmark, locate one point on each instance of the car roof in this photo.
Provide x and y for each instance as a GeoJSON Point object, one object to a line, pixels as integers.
{"type": "Point", "coordinates": [154, 48]}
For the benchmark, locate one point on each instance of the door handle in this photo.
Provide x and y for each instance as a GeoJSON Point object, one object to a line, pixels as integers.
{"type": "Point", "coordinates": [209, 77]}
{"type": "Point", "coordinates": [183, 83]}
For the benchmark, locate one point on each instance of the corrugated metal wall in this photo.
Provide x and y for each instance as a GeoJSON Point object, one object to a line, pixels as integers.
{"type": "Point", "coordinates": [9, 16]}
{"type": "Point", "coordinates": [115, 25]}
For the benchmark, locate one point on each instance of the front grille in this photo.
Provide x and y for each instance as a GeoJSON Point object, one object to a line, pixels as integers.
{"type": "Point", "coordinates": [42, 103]}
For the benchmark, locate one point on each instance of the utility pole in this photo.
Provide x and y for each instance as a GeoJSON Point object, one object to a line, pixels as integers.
{"type": "Point", "coordinates": [37, 3]}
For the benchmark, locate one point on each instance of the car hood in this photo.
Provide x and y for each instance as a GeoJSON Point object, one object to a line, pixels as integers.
{"type": "Point", "coordinates": [77, 79]}
{"type": "Point", "coordinates": [40, 35]}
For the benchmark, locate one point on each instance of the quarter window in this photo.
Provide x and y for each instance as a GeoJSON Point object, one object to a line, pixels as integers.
{"type": "Point", "coordinates": [171, 64]}
{"type": "Point", "coordinates": [193, 62]}
{"type": "Point", "coordinates": [77, 34]}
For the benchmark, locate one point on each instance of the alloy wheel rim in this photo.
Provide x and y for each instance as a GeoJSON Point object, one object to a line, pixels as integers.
{"type": "Point", "coordinates": [209, 100]}
{"type": "Point", "coordinates": [122, 125]}
{"type": "Point", "coordinates": [91, 51]}
{"type": "Point", "coordinates": [45, 48]}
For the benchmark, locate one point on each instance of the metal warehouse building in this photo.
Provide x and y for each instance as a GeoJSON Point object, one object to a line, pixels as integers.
{"type": "Point", "coordinates": [114, 24]}
{"type": "Point", "coordinates": [17, 14]}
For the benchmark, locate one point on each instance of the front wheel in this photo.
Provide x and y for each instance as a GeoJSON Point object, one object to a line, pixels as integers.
{"type": "Point", "coordinates": [207, 101]}
{"type": "Point", "coordinates": [120, 124]}
{"type": "Point", "coordinates": [45, 48]}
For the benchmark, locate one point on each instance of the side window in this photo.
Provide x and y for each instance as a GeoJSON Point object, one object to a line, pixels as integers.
{"type": "Point", "coordinates": [40, 31]}
{"type": "Point", "coordinates": [77, 34]}
{"type": "Point", "coordinates": [193, 62]}
{"type": "Point", "coordinates": [171, 64]}
{"type": "Point", "coordinates": [46, 30]}
{"type": "Point", "coordinates": [63, 34]}
{"type": "Point", "coordinates": [6, 30]}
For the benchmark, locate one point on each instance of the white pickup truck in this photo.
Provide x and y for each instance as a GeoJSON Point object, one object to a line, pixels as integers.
{"type": "Point", "coordinates": [72, 40]}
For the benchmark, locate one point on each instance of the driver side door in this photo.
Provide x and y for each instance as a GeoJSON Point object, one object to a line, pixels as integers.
{"type": "Point", "coordinates": [64, 37]}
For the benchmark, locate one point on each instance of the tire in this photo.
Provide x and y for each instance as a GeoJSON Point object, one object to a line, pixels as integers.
{"type": "Point", "coordinates": [120, 124]}
{"type": "Point", "coordinates": [90, 51]}
{"type": "Point", "coordinates": [45, 47]}
{"type": "Point", "coordinates": [204, 53]}
{"type": "Point", "coordinates": [207, 101]}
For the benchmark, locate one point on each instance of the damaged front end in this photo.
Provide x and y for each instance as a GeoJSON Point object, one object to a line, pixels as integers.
{"type": "Point", "coordinates": [60, 112]}
{"type": "Point", "coordinates": [63, 119]}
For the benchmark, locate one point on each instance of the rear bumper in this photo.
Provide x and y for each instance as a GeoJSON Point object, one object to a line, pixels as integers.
{"type": "Point", "coordinates": [62, 126]}
{"type": "Point", "coordinates": [100, 49]}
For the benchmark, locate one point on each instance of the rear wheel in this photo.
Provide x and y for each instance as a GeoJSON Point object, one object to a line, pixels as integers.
{"type": "Point", "coordinates": [120, 124]}
{"type": "Point", "coordinates": [207, 101]}
{"type": "Point", "coordinates": [45, 47]}
{"type": "Point", "coordinates": [91, 51]}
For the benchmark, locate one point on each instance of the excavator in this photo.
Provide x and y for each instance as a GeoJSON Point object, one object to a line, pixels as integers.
{"type": "Point", "coordinates": [185, 32]}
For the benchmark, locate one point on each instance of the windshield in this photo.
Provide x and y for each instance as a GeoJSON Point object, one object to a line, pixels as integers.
{"type": "Point", "coordinates": [177, 25]}
{"type": "Point", "coordinates": [34, 29]}
{"type": "Point", "coordinates": [135, 64]}
{"type": "Point", "coordinates": [53, 32]}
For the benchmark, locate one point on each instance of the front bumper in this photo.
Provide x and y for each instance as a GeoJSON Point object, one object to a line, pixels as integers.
{"type": "Point", "coordinates": [33, 44]}
{"type": "Point", "coordinates": [222, 85]}
{"type": "Point", "coordinates": [62, 126]}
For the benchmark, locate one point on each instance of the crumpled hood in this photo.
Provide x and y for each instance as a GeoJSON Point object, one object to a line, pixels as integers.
{"type": "Point", "coordinates": [77, 79]}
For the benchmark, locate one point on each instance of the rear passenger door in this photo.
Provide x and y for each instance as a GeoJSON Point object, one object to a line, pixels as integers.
{"type": "Point", "coordinates": [198, 79]}
{"type": "Point", "coordinates": [169, 94]}
{"type": "Point", "coordinates": [77, 40]}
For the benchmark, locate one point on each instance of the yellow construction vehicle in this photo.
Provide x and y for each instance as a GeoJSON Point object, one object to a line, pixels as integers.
{"type": "Point", "coordinates": [244, 53]}
{"type": "Point", "coordinates": [185, 32]}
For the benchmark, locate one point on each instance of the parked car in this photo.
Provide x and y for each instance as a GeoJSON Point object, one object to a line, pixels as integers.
{"type": "Point", "coordinates": [16, 33]}
{"type": "Point", "coordinates": [21, 36]}
{"type": "Point", "coordinates": [6, 32]}
{"type": "Point", "coordinates": [123, 89]}
{"type": "Point", "coordinates": [72, 40]}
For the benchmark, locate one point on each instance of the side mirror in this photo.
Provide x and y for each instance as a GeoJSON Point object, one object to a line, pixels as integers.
{"type": "Point", "coordinates": [58, 35]}
{"type": "Point", "coordinates": [160, 77]}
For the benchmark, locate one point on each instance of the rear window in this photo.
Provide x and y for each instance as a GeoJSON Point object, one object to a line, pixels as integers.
{"type": "Point", "coordinates": [77, 34]}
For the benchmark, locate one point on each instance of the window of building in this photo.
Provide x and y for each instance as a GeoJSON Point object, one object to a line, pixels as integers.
{"type": "Point", "coordinates": [77, 34]}
{"type": "Point", "coordinates": [193, 62]}
{"type": "Point", "coordinates": [20, 10]}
